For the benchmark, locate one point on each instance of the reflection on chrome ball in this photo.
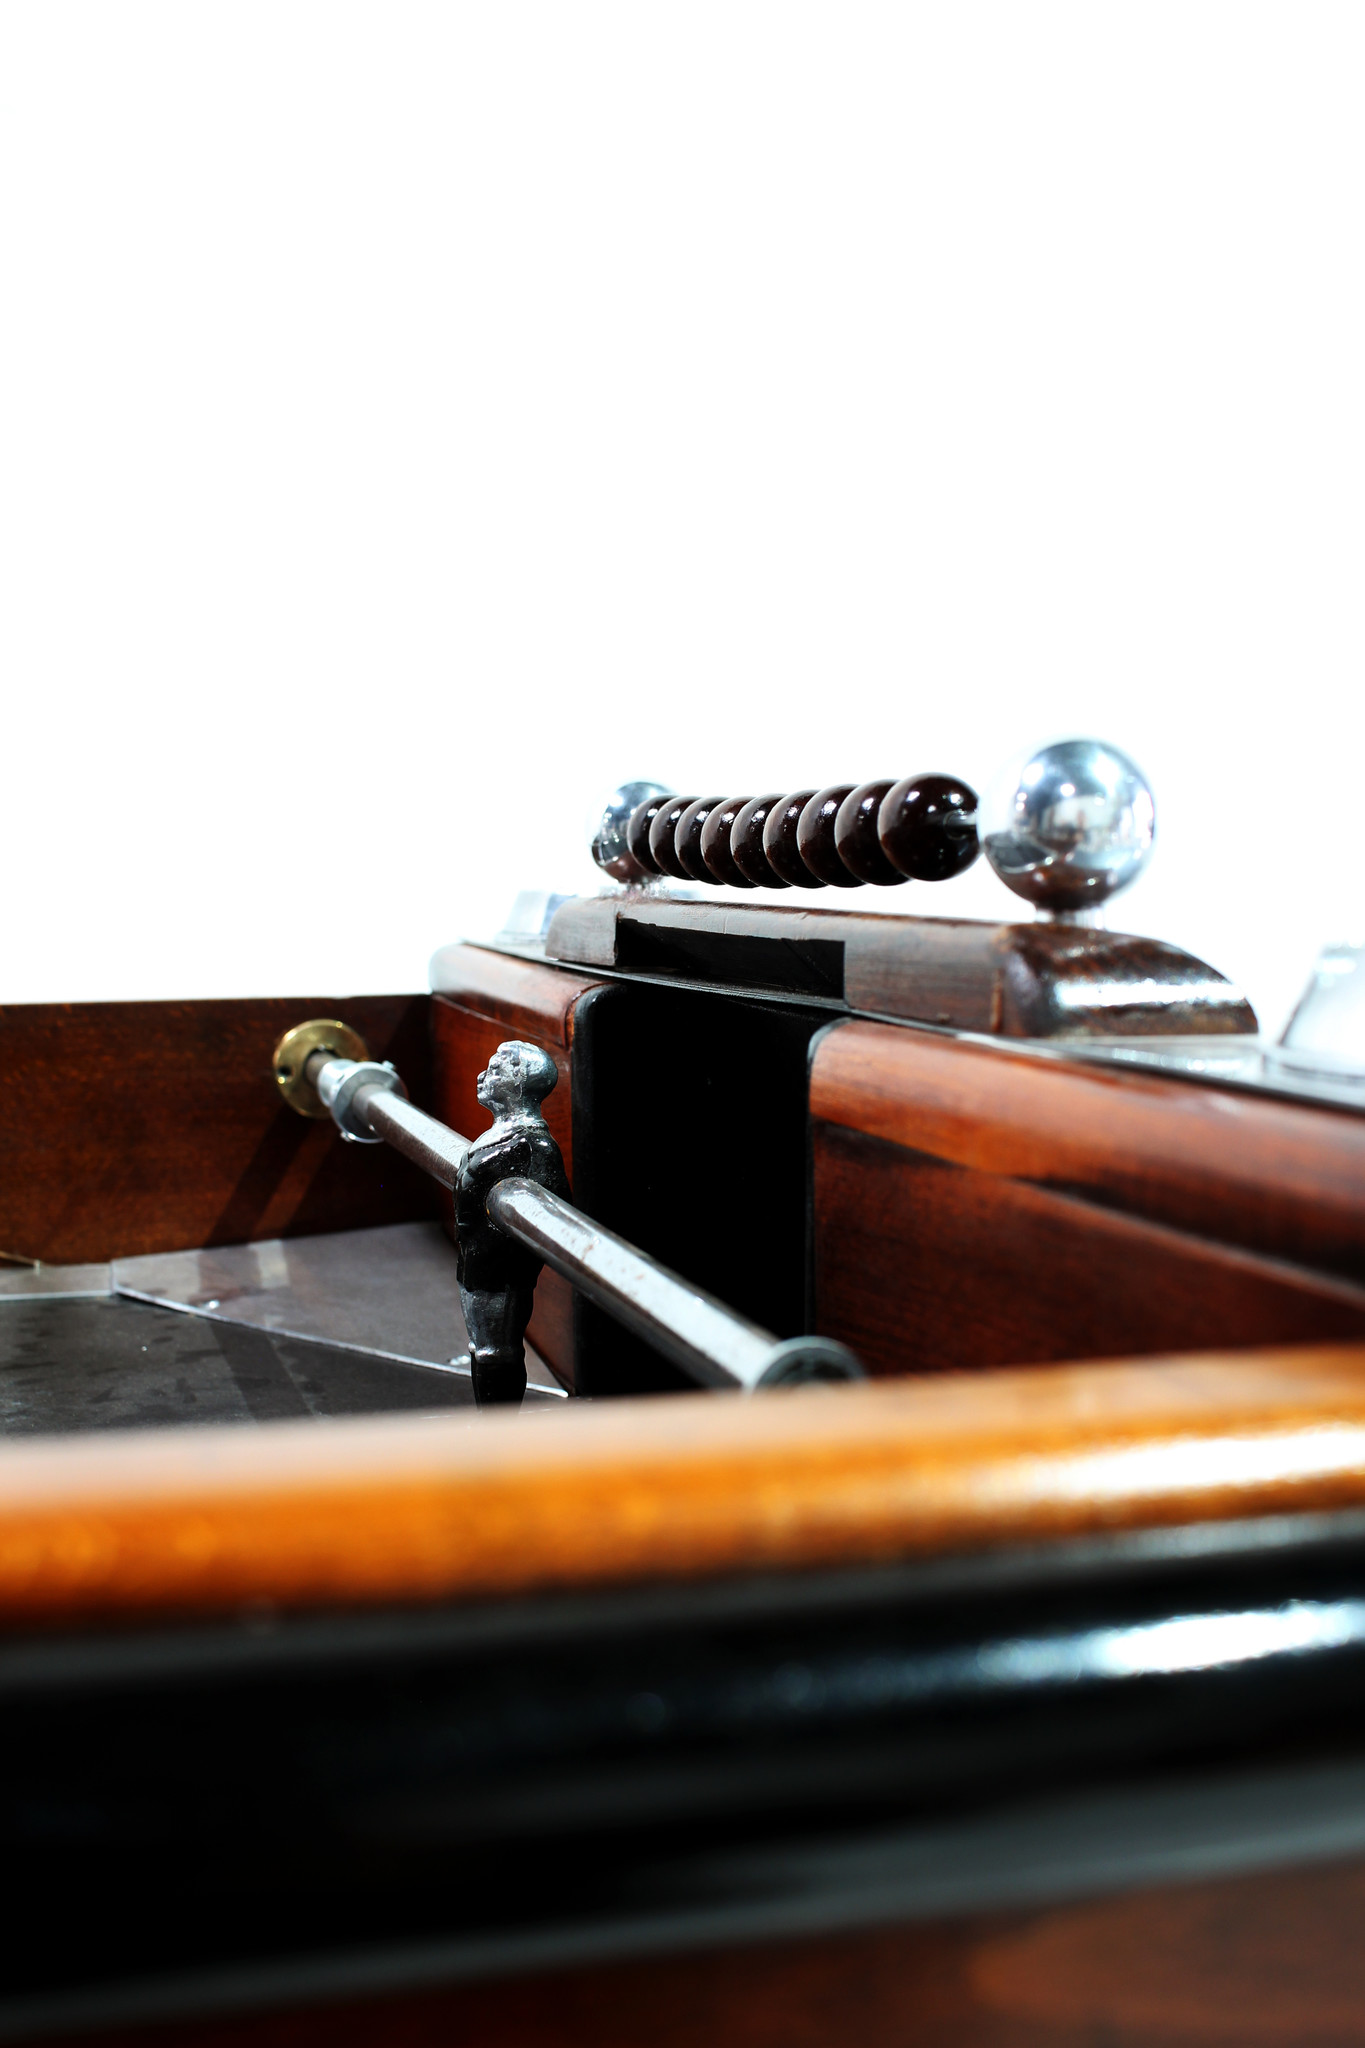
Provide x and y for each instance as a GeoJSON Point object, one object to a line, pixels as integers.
{"type": "Point", "coordinates": [1072, 827]}
{"type": "Point", "coordinates": [609, 847]}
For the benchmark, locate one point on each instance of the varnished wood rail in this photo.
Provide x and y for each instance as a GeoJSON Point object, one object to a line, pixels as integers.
{"type": "Point", "coordinates": [422, 1508]}
{"type": "Point", "coordinates": [978, 1208]}
{"type": "Point", "coordinates": [1282, 1178]}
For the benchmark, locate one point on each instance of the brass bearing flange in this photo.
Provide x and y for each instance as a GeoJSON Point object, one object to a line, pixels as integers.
{"type": "Point", "coordinates": [296, 1048]}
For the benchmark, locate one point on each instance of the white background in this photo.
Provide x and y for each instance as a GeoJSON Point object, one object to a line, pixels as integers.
{"type": "Point", "coordinates": [414, 419]}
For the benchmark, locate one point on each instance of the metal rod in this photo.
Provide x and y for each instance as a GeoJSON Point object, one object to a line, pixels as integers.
{"type": "Point", "coordinates": [709, 1341]}
{"type": "Point", "coordinates": [438, 1150]}
{"type": "Point", "coordinates": [366, 1102]}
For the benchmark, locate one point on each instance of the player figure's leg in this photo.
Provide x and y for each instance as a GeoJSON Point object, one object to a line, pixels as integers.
{"type": "Point", "coordinates": [496, 1320]}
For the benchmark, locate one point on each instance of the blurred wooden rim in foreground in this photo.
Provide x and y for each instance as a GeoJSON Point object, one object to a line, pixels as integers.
{"type": "Point", "coordinates": [378, 1511]}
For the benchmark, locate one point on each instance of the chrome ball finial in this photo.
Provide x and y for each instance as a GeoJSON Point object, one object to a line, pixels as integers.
{"type": "Point", "coordinates": [609, 848]}
{"type": "Point", "coordinates": [1073, 827]}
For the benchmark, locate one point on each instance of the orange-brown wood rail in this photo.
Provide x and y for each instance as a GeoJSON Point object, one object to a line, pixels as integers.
{"type": "Point", "coordinates": [425, 1508]}
{"type": "Point", "coordinates": [1282, 1178]}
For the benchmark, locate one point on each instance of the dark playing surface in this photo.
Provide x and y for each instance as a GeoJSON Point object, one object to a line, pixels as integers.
{"type": "Point", "coordinates": [114, 1364]}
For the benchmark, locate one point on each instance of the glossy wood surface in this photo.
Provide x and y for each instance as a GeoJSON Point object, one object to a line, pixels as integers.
{"type": "Point", "coordinates": [670, 1487]}
{"type": "Point", "coordinates": [687, 837]}
{"type": "Point", "coordinates": [716, 849]}
{"type": "Point", "coordinates": [1005, 980]}
{"type": "Point", "coordinates": [815, 837]}
{"type": "Point", "coordinates": [922, 1268]}
{"type": "Point", "coordinates": [525, 996]}
{"type": "Point", "coordinates": [972, 1210]}
{"type": "Point", "coordinates": [857, 840]}
{"type": "Point", "coordinates": [468, 1026]}
{"type": "Point", "coordinates": [926, 826]}
{"type": "Point", "coordinates": [147, 1127]}
{"type": "Point", "coordinates": [746, 843]}
{"type": "Point", "coordinates": [662, 839]}
{"type": "Point", "coordinates": [780, 836]}
{"type": "Point", "coordinates": [1269, 1960]}
{"type": "Point", "coordinates": [637, 832]}
{"type": "Point", "coordinates": [1277, 1177]}
{"type": "Point", "coordinates": [488, 997]}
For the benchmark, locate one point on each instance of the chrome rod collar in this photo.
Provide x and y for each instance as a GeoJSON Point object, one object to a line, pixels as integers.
{"type": "Point", "coordinates": [340, 1083]}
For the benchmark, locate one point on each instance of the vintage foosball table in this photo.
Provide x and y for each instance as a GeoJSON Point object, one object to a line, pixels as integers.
{"type": "Point", "coordinates": [801, 1478]}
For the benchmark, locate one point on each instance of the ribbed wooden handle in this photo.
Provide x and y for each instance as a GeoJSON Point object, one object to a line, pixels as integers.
{"type": "Point", "coordinates": [884, 833]}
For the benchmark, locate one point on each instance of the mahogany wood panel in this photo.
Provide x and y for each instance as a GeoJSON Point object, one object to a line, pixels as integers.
{"type": "Point", "coordinates": [525, 996]}
{"type": "Point", "coordinates": [148, 1127]}
{"type": "Point", "coordinates": [376, 1510]}
{"type": "Point", "coordinates": [973, 1209]}
{"type": "Point", "coordinates": [924, 1266]}
{"type": "Point", "coordinates": [1273, 1959]}
{"type": "Point", "coordinates": [488, 997]}
{"type": "Point", "coordinates": [1271, 1176]}
{"type": "Point", "coordinates": [1011, 980]}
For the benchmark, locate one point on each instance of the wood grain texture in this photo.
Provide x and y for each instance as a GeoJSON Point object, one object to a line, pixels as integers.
{"type": "Point", "coordinates": [1274, 1959]}
{"type": "Point", "coordinates": [523, 995]}
{"type": "Point", "coordinates": [149, 1127]}
{"type": "Point", "coordinates": [488, 997]}
{"type": "Point", "coordinates": [1270, 1176]}
{"type": "Point", "coordinates": [1041, 981]}
{"type": "Point", "coordinates": [1011, 980]}
{"type": "Point", "coordinates": [921, 1266]}
{"type": "Point", "coordinates": [975, 1209]}
{"type": "Point", "coordinates": [400, 1508]}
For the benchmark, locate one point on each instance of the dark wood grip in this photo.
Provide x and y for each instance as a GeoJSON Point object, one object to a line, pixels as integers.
{"type": "Point", "coordinates": [856, 840]}
{"type": "Point", "coordinates": [780, 840]}
{"type": "Point", "coordinates": [815, 837]}
{"type": "Point", "coordinates": [717, 850]}
{"type": "Point", "coordinates": [839, 837]}
{"type": "Point", "coordinates": [927, 827]}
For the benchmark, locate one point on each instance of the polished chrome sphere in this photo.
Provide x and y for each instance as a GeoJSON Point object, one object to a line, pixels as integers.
{"type": "Point", "coordinates": [1074, 825]}
{"type": "Point", "coordinates": [609, 848]}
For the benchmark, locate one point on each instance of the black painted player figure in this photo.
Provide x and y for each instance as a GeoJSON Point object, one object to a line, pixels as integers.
{"type": "Point", "coordinates": [497, 1276]}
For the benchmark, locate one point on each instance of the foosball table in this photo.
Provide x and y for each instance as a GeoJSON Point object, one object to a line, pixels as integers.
{"type": "Point", "coordinates": [741, 1463]}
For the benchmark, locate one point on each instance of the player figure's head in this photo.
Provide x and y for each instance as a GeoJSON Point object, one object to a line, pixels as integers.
{"type": "Point", "coordinates": [517, 1079]}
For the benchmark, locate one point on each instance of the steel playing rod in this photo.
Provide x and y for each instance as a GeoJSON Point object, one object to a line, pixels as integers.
{"type": "Point", "coordinates": [708, 1340]}
{"type": "Point", "coordinates": [438, 1150]}
{"type": "Point", "coordinates": [433, 1146]}
{"type": "Point", "coordinates": [692, 1328]}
